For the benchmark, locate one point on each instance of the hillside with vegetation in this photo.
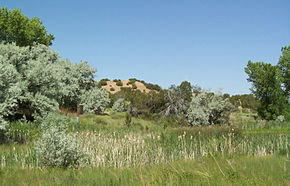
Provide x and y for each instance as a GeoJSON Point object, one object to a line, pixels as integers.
{"type": "Point", "coordinates": [114, 86]}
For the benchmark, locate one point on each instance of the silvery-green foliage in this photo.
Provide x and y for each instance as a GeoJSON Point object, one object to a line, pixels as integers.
{"type": "Point", "coordinates": [55, 119]}
{"type": "Point", "coordinates": [74, 79]}
{"type": "Point", "coordinates": [280, 118]}
{"type": "Point", "coordinates": [3, 124]}
{"type": "Point", "coordinates": [208, 109]}
{"type": "Point", "coordinates": [175, 102]}
{"type": "Point", "coordinates": [35, 80]}
{"type": "Point", "coordinates": [28, 86]}
{"type": "Point", "coordinates": [95, 100]}
{"type": "Point", "coordinates": [57, 148]}
{"type": "Point", "coordinates": [10, 87]}
{"type": "Point", "coordinates": [120, 106]}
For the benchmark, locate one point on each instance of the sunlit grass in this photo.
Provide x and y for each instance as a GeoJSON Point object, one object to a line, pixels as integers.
{"type": "Point", "coordinates": [147, 153]}
{"type": "Point", "coordinates": [241, 170]}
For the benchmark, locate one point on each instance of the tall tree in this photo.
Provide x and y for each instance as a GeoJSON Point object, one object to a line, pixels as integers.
{"type": "Point", "coordinates": [18, 28]}
{"type": "Point", "coordinates": [284, 67]}
{"type": "Point", "coordinates": [34, 80]}
{"type": "Point", "coordinates": [186, 90]}
{"type": "Point", "coordinates": [266, 86]}
{"type": "Point", "coordinates": [175, 102]}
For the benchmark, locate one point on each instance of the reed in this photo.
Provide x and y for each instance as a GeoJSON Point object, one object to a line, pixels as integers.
{"type": "Point", "coordinates": [135, 149]}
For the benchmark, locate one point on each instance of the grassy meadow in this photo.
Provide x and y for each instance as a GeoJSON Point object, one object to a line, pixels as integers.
{"type": "Point", "coordinates": [153, 152]}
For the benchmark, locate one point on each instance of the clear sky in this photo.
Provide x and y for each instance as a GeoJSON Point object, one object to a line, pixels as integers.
{"type": "Point", "coordinates": [206, 42]}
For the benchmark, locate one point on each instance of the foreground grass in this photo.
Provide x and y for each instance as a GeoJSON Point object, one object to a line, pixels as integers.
{"type": "Point", "coordinates": [268, 170]}
{"type": "Point", "coordinates": [110, 143]}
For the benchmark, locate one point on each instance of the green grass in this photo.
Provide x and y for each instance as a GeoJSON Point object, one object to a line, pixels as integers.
{"type": "Point", "coordinates": [136, 148]}
{"type": "Point", "coordinates": [269, 170]}
{"type": "Point", "coordinates": [148, 153]}
{"type": "Point", "coordinates": [247, 123]}
{"type": "Point", "coordinates": [114, 122]}
{"type": "Point", "coordinates": [267, 131]}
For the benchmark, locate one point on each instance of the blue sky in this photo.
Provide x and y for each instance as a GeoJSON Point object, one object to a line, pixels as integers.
{"type": "Point", "coordinates": [167, 41]}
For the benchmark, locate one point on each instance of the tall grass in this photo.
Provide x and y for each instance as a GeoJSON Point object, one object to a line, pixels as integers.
{"type": "Point", "coordinates": [270, 170]}
{"type": "Point", "coordinates": [134, 149]}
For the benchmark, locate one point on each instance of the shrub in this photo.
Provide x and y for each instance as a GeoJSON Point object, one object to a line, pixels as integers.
{"type": "Point", "coordinates": [280, 118]}
{"type": "Point", "coordinates": [119, 83]}
{"type": "Point", "coordinates": [132, 81]}
{"type": "Point", "coordinates": [120, 106]}
{"type": "Point", "coordinates": [55, 119]}
{"type": "Point", "coordinates": [95, 100]}
{"type": "Point", "coordinates": [103, 82]}
{"type": "Point", "coordinates": [152, 86]}
{"type": "Point", "coordinates": [112, 89]}
{"type": "Point", "coordinates": [134, 86]}
{"type": "Point", "coordinates": [56, 148]}
{"type": "Point", "coordinates": [208, 109]}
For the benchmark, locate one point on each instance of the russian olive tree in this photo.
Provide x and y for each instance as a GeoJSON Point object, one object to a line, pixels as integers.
{"type": "Point", "coordinates": [208, 109]}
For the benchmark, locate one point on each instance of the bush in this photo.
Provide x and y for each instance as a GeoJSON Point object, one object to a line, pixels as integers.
{"type": "Point", "coordinates": [56, 148]}
{"type": "Point", "coordinates": [103, 82]}
{"type": "Point", "coordinates": [280, 118]}
{"type": "Point", "coordinates": [119, 83]}
{"type": "Point", "coordinates": [152, 86]}
{"type": "Point", "coordinates": [112, 89]}
{"type": "Point", "coordinates": [208, 109]}
{"type": "Point", "coordinates": [134, 86]}
{"type": "Point", "coordinates": [132, 81]}
{"type": "Point", "coordinates": [120, 106]}
{"type": "Point", "coordinates": [95, 100]}
{"type": "Point", "coordinates": [55, 119]}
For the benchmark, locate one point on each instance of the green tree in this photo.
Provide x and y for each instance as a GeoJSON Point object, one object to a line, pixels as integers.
{"type": "Point", "coordinates": [266, 86]}
{"type": "Point", "coordinates": [18, 28]}
{"type": "Point", "coordinates": [186, 90]}
{"type": "Point", "coordinates": [284, 67]}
